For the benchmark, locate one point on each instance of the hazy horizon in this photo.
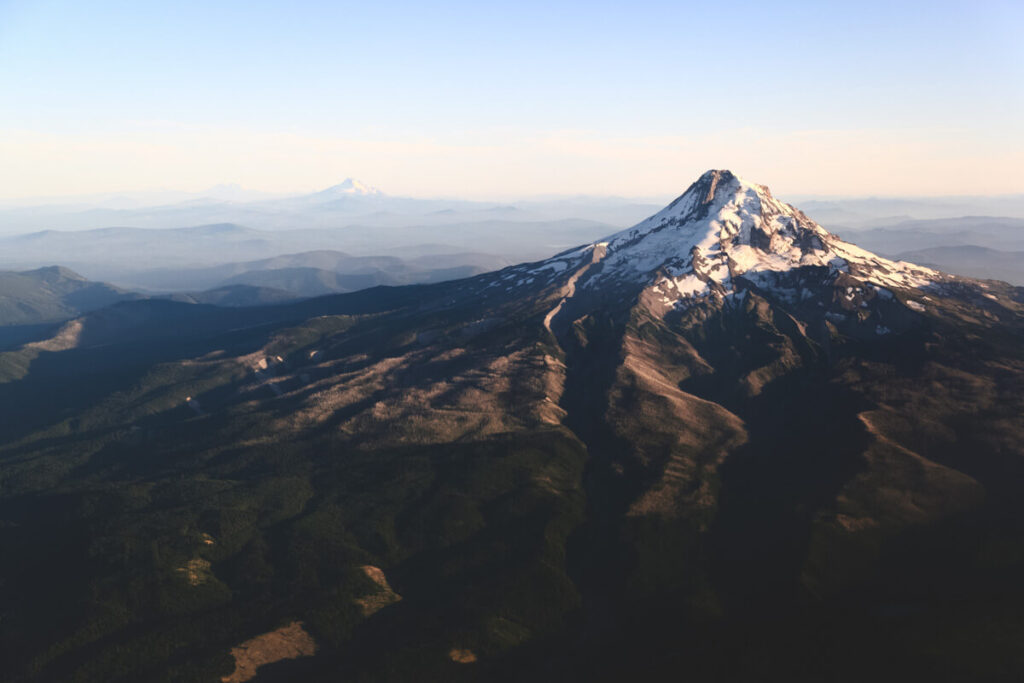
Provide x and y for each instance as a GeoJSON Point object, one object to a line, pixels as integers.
{"type": "Point", "coordinates": [222, 190]}
{"type": "Point", "coordinates": [496, 102]}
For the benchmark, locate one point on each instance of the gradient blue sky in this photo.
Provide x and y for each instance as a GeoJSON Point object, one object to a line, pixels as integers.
{"type": "Point", "coordinates": [481, 100]}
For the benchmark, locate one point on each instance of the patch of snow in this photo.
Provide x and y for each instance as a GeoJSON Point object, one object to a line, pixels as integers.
{"type": "Point", "coordinates": [689, 285]}
{"type": "Point", "coordinates": [554, 266]}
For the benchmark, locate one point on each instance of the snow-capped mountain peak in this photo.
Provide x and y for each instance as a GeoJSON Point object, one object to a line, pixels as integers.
{"type": "Point", "coordinates": [351, 186]}
{"type": "Point", "coordinates": [724, 243]}
{"type": "Point", "coordinates": [723, 229]}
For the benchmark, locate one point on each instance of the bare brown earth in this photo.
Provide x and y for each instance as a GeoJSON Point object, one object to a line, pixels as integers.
{"type": "Point", "coordinates": [374, 602]}
{"type": "Point", "coordinates": [66, 338]}
{"type": "Point", "coordinates": [287, 642]}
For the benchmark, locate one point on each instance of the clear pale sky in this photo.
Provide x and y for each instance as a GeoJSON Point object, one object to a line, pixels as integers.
{"type": "Point", "coordinates": [480, 99]}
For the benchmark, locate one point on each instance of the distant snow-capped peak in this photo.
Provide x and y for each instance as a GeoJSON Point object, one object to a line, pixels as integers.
{"type": "Point", "coordinates": [351, 186]}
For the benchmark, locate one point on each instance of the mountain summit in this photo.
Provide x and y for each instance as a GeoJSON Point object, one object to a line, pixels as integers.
{"type": "Point", "coordinates": [724, 229]}
{"type": "Point", "coordinates": [725, 238]}
{"type": "Point", "coordinates": [350, 186]}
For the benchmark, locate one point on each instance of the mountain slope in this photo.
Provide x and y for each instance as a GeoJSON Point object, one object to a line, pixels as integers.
{"type": "Point", "coordinates": [52, 294]}
{"type": "Point", "coordinates": [236, 295]}
{"type": "Point", "coordinates": [306, 281]}
{"type": "Point", "coordinates": [723, 443]}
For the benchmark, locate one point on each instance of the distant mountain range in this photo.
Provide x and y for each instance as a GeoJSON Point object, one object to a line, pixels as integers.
{"type": "Point", "coordinates": [974, 246]}
{"type": "Point", "coordinates": [31, 300]}
{"type": "Point", "coordinates": [350, 203]}
{"type": "Point", "coordinates": [137, 257]}
{"type": "Point", "coordinates": [866, 212]}
{"type": "Point", "coordinates": [986, 231]}
{"type": "Point", "coordinates": [972, 261]}
{"type": "Point", "coordinates": [324, 272]}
